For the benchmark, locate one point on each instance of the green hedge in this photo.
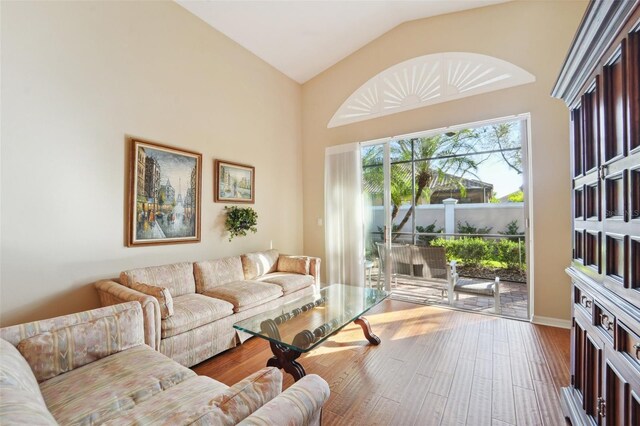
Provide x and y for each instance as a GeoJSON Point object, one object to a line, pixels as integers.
{"type": "Point", "coordinates": [474, 251]}
{"type": "Point", "coordinates": [509, 252]}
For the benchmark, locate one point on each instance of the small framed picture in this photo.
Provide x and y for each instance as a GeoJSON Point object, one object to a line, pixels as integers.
{"type": "Point", "coordinates": [234, 183]}
{"type": "Point", "coordinates": [164, 195]}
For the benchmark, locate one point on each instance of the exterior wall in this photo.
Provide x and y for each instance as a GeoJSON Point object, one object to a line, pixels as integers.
{"type": "Point", "coordinates": [78, 78]}
{"type": "Point", "coordinates": [496, 216]}
{"type": "Point", "coordinates": [532, 35]}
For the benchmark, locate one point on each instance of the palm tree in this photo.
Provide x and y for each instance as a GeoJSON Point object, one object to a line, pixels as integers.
{"type": "Point", "coordinates": [436, 156]}
{"type": "Point", "coordinates": [454, 155]}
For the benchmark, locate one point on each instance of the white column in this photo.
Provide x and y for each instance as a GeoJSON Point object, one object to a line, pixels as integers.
{"type": "Point", "coordinates": [449, 215]}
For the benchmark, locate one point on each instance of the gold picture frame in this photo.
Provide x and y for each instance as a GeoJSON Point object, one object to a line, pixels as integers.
{"type": "Point", "coordinates": [234, 182]}
{"type": "Point", "coordinates": [165, 188]}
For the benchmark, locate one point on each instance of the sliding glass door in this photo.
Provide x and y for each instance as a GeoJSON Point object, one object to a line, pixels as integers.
{"type": "Point", "coordinates": [461, 190]}
{"type": "Point", "coordinates": [376, 212]}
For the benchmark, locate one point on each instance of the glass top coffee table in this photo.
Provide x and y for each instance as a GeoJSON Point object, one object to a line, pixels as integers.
{"type": "Point", "coordinates": [300, 325]}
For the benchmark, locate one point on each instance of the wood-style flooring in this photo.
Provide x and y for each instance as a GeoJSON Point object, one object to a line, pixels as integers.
{"type": "Point", "coordinates": [434, 367]}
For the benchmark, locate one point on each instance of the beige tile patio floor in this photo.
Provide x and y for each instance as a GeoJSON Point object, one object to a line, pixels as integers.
{"type": "Point", "coordinates": [513, 297]}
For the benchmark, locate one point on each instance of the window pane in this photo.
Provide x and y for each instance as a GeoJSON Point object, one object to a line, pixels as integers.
{"type": "Point", "coordinates": [401, 150]}
{"type": "Point", "coordinates": [372, 155]}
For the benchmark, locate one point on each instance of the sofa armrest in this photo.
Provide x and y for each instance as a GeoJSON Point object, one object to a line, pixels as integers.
{"type": "Point", "coordinates": [113, 293]}
{"type": "Point", "coordinates": [301, 404]}
{"type": "Point", "coordinates": [249, 394]}
{"type": "Point", "coordinates": [314, 269]}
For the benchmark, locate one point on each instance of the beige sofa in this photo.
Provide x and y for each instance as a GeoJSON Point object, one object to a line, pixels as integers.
{"type": "Point", "coordinates": [94, 368]}
{"type": "Point", "coordinates": [190, 308]}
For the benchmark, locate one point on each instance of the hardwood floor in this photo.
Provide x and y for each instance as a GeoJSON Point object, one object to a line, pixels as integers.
{"type": "Point", "coordinates": [434, 367]}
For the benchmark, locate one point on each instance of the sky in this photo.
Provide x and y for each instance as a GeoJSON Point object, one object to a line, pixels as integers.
{"type": "Point", "coordinates": [494, 169]}
{"type": "Point", "coordinates": [504, 179]}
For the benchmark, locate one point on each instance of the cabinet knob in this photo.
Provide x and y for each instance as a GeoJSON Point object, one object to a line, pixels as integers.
{"type": "Point", "coordinates": [604, 171]}
{"type": "Point", "coordinates": [602, 406]}
{"type": "Point", "coordinates": [606, 322]}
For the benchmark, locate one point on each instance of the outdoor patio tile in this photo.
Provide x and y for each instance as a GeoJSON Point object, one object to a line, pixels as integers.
{"type": "Point", "coordinates": [513, 298]}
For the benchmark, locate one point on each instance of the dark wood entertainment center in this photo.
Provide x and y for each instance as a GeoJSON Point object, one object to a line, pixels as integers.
{"type": "Point", "coordinates": [600, 83]}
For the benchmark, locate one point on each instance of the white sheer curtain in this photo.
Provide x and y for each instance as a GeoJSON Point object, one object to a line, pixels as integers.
{"type": "Point", "coordinates": [343, 215]}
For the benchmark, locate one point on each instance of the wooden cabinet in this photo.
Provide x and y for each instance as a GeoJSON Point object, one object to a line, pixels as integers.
{"type": "Point", "coordinates": [600, 82]}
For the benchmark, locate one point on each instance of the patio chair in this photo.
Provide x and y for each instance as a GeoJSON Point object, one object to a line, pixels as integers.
{"type": "Point", "coordinates": [479, 287]}
{"type": "Point", "coordinates": [429, 266]}
{"type": "Point", "coordinates": [435, 261]}
{"type": "Point", "coordinates": [425, 266]}
{"type": "Point", "coordinates": [399, 252]}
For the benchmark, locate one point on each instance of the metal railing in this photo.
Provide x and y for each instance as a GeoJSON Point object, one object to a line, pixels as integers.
{"type": "Point", "coordinates": [425, 239]}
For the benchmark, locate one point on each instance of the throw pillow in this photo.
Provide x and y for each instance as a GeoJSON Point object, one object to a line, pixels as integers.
{"type": "Point", "coordinates": [259, 263]}
{"type": "Point", "coordinates": [162, 294]}
{"type": "Point", "coordinates": [294, 264]}
{"type": "Point", "coordinates": [55, 352]}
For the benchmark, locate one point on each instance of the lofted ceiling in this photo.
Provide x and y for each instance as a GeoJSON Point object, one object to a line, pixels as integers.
{"type": "Point", "coordinates": [303, 38]}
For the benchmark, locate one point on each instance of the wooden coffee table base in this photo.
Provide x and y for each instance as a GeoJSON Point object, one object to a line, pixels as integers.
{"type": "Point", "coordinates": [366, 329]}
{"type": "Point", "coordinates": [285, 358]}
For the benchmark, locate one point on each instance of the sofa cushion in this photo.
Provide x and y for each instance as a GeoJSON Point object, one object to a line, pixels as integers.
{"type": "Point", "coordinates": [293, 264]}
{"type": "Point", "coordinates": [475, 286]}
{"type": "Point", "coordinates": [192, 311]}
{"type": "Point", "coordinates": [184, 404]}
{"type": "Point", "coordinates": [246, 294]}
{"type": "Point", "coordinates": [289, 282]}
{"type": "Point", "coordinates": [259, 263]}
{"type": "Point", "coordinates": [162, 295]}
{"type": "Point", "coordinates": [178, 277]}
{"type": "Point", "coordinates": [201, 343]}
{"type": "Point", "coordinates": [55, 352]}
{"type": "Point", "coordinates": [16, 333]}
{"type": "Point", "coordinates": [21, 401]}
{"type": "Point", "coordinates": [109, 387]}
{"type": "Point", "coordinates": [213, 273]}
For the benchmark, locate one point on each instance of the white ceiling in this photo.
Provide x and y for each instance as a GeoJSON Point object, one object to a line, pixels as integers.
{"type": "Point", "coordinates": [303, 38]}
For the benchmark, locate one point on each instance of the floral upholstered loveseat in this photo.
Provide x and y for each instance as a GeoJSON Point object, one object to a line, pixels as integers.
{"type": "Point", "coordinates": [94, 368]}
{"type": "Point", "coordinates": [190, 308]}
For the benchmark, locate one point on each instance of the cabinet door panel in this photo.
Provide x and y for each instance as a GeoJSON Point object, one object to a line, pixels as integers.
{"type": "Point", "coordinates": [633, 90]}
{"type": "Point", "coordinates": [615, 105]}
{"type": "Point", "coordinates": [590, 372]}
{"type": "Point", "coordinates": [635, 408]}
{"type": "Point", "coordinates": [578, 366]}
{"type": "Point", "coordinates": [578, 144]}
{"type": "Point", "coordinates": [616, 397]}
{"type": "Point", "coordinates": [591, 127]}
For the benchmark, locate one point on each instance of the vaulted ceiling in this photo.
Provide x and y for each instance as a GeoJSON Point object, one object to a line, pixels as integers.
{"type": "Point", "coordinates": [303, 38]}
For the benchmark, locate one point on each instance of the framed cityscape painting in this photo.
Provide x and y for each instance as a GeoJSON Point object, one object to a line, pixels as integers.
{"type": "Point", "coordinates": [164, 195]}
{"type": "Point", "coordinates": [234, 183]}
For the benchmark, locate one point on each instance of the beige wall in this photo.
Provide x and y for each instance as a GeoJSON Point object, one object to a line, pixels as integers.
{"type": "Point", "coordinates": [76, 79]}
{"type": "Point", "coordinates": [532, 35]}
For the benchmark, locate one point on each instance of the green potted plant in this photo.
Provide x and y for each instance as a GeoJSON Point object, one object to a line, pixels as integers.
{"type": "Point", "coordinates": [240, 220]}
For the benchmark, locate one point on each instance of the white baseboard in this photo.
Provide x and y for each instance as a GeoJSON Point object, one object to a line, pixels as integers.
{"type": "Point", "coordinates": [552, 322]}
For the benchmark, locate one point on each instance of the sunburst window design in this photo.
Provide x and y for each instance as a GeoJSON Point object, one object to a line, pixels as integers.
{"type": "Point", "coordinates": [428, 80]}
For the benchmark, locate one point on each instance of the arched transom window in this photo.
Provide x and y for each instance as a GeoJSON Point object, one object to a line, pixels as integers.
{"type": "Point", "coordinates": [428, 80]}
